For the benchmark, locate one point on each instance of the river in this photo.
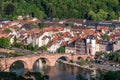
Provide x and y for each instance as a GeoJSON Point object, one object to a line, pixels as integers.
{"type": "Point", "coordinates": [64, 72]}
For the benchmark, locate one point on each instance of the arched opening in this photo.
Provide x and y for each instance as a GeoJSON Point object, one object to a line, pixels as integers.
{"type": "Point", "coordinates": [88, 59]}
{"type": "Point", "coordinates": [18, 67]}
{"type": "Point", "coordinates": [60, 62]}
{"type": "Point", "coordinates": [63, 58]}
{"type": "Point", "coordinates": [80, 59]}
{"type": "Point", "coordinates": [41, 65]}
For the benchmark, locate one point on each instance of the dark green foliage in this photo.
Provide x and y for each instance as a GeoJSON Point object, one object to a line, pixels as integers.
{"type": "Point", "coordinates": [31, 47]}
{"type": "Point", "coordinates": [83, 62]}
{"type": "Point", "coordinates": [13, 76]}
{"type": "Point", "coordinates": [7, 76]}
{"type": "Point", "coordinates": [19, 45]}
{"type": "Point", "coordinates": [61, 49]}
{"type": "Point", "coordinates": [80, 77]}
{"type": "Point", "coordinates": [9, 9]}
{"type": "Point", "coordinates": [111, 76]}
{"type": "Point", "coordinates": [28, 47]}
{"type": "Point", "coordinates": [110, 56]}
{"type": "Point", "coordinates": [44, 48]}
{"type": "Point", "coordinates": [4, 42]}
{"type": "Point", "coordinates": [90, 9]}
{"type": "Point", "coordinates": [106, 37]}
{"type": "Point", "coordinates": [7, 30]}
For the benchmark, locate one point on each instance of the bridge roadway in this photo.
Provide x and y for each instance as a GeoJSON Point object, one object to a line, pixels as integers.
{"type": "Point", "coordinates": [28, 61]}
{"type": "Point", "coordinates": [95, 66]}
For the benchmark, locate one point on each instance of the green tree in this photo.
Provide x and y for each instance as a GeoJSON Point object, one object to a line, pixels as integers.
{"type": "Point", "coordinates": [15, 39]}
{"type": "Point", "coordinates": [44, 48]}
{"type": "Point", "coordinates": [106, 37]}
{"type": "Point", "coordinates": [117, 57]}
{"type": "Point", "coordinates": [101, 9]}
{"type": "Point", "coordinates": [111, 15]}
{"type": "Point", "coordinates": [9, 9]}
{"type": "Point", "coordinates": [111, 76]}
{"type": "Point", "coordinates": [19, 45]}
{"type": "Point", "coordinates": [92, 15]}
{"type": "Point", "coordinates": [4, 42]}
{"type": "Point", "coordinates": [26, 76]}
{"type": "Point", "coordinates": [61, 49]}
{"type": "Point", "coordinates": [7, 30]}
{"type": "Point", "coordinates": [101, 15]}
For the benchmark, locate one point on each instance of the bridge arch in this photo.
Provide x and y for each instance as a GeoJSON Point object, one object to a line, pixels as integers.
{"type": "Point", "coordinates": [44, 58]}
{"type": "Point", "coordinates": [39, 63]}
{"type": "Point", "coordinates": [88, 58]}
{"type": "Point", "coordinates": [80, 58]}
{"type": "Point", "coordinates": [66, 58]}
{"type": "Point", "coordinates": [18, 64]}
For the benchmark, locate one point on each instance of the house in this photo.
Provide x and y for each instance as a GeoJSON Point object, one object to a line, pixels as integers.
{"type": "Point", "coordinates": [91, 24]}
{"type": "Point", "coordinates": [91, 44]}
{"type": "Point", "coordinates": [97, 47]}
{"type": "Point", "coordinates": [48, 20]}
{"type": "Point", "coordinates": [3, 35]}
{"type": "Point", "coordinates": [35, 39]}
{"type": "Point", "coordinates": [22, 38]}
{"type": "Point", "coordinates": [67, 29]}
{"type": "Point", "coordinates": [80, 46]}
{"type": "Point", "coordinates": [53, 48]}
{"type": "Point", "coordinates": [27, 27]}
{"type": "Point", "coordinates": [117, 25]}
{"type": "Point", "coordinates": [70, 48]}
{"type": "Point", "coordinates": [45, 40]}
{"type": "Point", "coordinates": [29, 39]}
{"type": "Point", "coordinates": [76, 22]}
{"type": "Point", "coordinates": [103, 29]}
{"type": "Point", "coordinates": [105, 45]}
{"type": "Point", "coordinates": [11, 38]}
{"type": "Point", "coordinates": [40, 39]}
{"type": "Point", "coordinates": [116, 45]}
{"type": "Point", "coordinates": [110, 25]}
{"type": "Point", "coordinates": [117, 34]}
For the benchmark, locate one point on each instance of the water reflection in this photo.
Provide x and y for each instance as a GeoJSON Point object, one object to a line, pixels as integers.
{"type": "Point", "coordinates": [65, 72]}
{"type": "Point", "coordinates": [17, 67]}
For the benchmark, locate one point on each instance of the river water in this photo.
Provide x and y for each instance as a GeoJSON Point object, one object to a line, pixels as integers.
{"type": "Point", "coordinates": [64, 72]}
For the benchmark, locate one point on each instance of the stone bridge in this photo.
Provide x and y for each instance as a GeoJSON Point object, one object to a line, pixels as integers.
{"type": "Point", "coordinates": [28, 61]}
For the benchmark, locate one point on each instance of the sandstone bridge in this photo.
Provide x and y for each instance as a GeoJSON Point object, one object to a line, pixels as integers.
{"type": "Point", "coordinates": [28, 61]}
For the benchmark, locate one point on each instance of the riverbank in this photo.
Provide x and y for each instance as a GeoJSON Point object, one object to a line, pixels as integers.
{"type": "Point", "coordinates": [93, 67]}
{"type": "Point", "coordinates": [77, 65]}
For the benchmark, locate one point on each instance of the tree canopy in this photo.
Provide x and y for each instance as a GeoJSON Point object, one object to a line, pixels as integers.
{"type": "Point", "coordinates": [61, 49]}
{"type": "Point", "coordinates": [89, 9]}
{"type": "Point", "coordinates": [110, 76]}
{"type": "Point", "coordinates": [4, 42]}
{"type": "Point", "coordinates": [26, 76]}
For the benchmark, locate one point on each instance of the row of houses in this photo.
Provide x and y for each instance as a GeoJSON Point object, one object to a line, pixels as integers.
{"type": "Point", "coordinates": [82, 39]}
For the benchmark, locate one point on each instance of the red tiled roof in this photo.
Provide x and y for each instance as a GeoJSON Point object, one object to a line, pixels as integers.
{"type": "Point", "coordinates": [66, 33]}
{"type": "Point", "coordinates": [73, 39]}
{"type": "Point", "coordinates": [55, 38]}
{"type": "Point", "coordinates": [64, 43]}
{"type": "Point", "coordinates": [3, 35]}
